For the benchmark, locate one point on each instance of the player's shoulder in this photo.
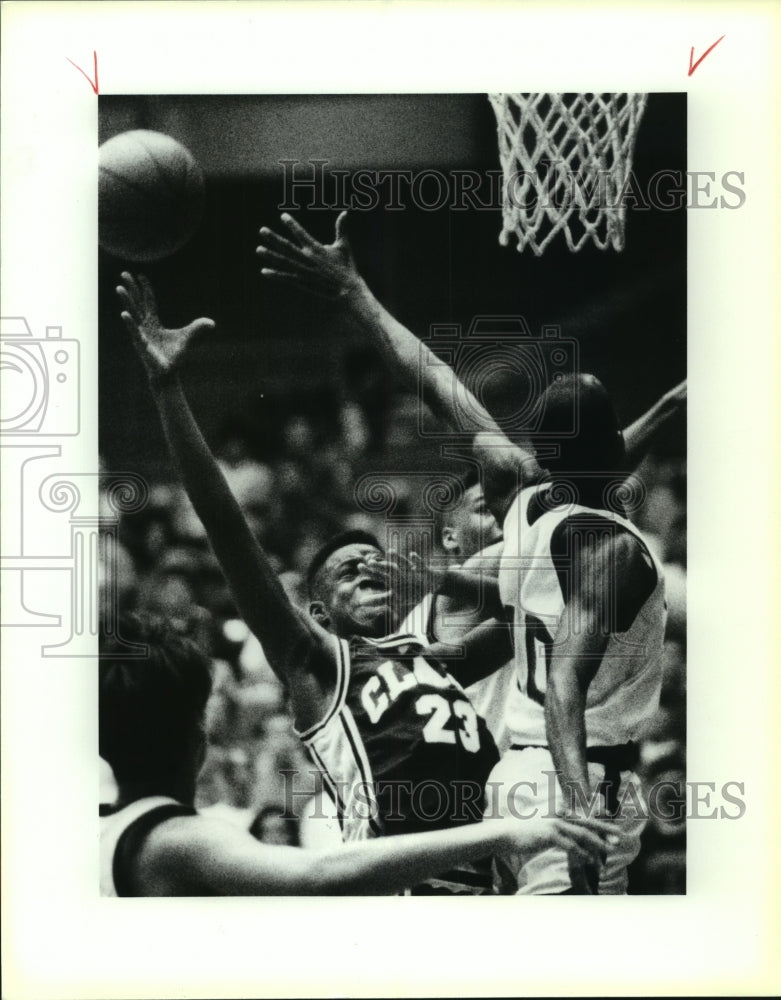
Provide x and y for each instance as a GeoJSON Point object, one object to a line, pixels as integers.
{"type": "Point", "coordinates": [527, 505]}
{"type": "Point", "coordinates": [176, 855]}
{"type": "Point", "coordinates": [589, 546]}
{"type": "Point", "coordinates": [594, 529]}
{"type": "Point", "coordinates": [401, 643]}
{"type": "Point", "coordinates": [487, 560]}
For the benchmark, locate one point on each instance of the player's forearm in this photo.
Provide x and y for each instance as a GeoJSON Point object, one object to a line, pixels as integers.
{"type": "Point", "coordinates": [415, 363]}
{"type": "Point", "coordinates": [565, 724]}
{"type": "Point", "coordinates": [250, 575]}
{"type": "Point", "coordinates": [198, 470]}
{"type": "Point", "coordinates": [472, 589]}
{"type": "Point", "coordinates": [482, 651]}
{"type": "Point", "coordinates": [390, 864]}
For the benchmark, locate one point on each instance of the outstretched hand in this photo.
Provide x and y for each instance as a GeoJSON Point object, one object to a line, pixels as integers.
{"type": "Point", "coordinates": [159, 348]}
{"type": "Point", "coordinates": [298, 259]}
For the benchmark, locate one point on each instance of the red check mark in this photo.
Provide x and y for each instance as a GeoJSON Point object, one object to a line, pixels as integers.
{"type": "Point", "coordinates": [693, 65]}
{"type": "Point", "coordinates": [94, 84]}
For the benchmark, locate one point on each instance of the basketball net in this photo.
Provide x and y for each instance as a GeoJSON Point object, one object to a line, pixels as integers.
{"type": "Point", "coordinates": [566, 159]}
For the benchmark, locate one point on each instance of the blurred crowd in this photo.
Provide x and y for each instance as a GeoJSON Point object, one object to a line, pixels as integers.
{"type": "Point", "coordinates": [295, 497]}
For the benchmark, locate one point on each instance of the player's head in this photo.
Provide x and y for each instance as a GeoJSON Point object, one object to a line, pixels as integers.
{"type": "Point", "coordinates": [151, 707]}
{"type": "Point", "coordinates": [577, 414]}
{"type": "Point", "coordinates": [467, 525]}
{"type": "Point", "coordinates": [349, 593]}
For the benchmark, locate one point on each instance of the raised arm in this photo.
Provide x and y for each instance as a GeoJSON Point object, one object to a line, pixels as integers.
{"type": "Point", "coordinates": [639, 435]}
{"type": "Point", "coordinates": [292, 643]}
{"type": "Point", "coordinates": [329, 270]}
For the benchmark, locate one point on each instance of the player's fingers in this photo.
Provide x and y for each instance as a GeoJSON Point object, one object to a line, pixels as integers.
{"type": "Point", "coordinates": [282, 261]}
{"type": "Point", "coordinates": [584, 852]}
{"type": "Point", "coordinates": [297, 281]}
{"type": "Point", "coordinates": [341, 228]}
{"type": "Point", "coordinates": [603, 826]}
{"type": "Point", "coordinates": [394, 557]}
{"type": "Point", "coordinates": [273, 241]}
{"type": "Point", "coordinates": [310, 281]}
{"type": "Point", "coordinates": [150, 305]}
{"type": "Point", "coordinates": [202, 325]}
{"type": "Point", "coordinates": [132, 287]}
{"type": "Point", "coordinates": [304, 238]}
{"type": "Point", "coordinates": [132, 328]}
{"type": "Point", "coordinates": [416, 562]}
{"type": "Point", "coordinates": [587, 839]}
{"type": "Point", "coordinates": [128, 302]}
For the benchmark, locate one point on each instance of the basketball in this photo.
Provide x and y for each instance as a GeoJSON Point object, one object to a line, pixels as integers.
{"type": "Point", "coordinates": [150, 195]}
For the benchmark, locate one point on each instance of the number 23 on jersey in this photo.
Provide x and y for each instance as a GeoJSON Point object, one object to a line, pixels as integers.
{"type": "Point", "coordinates": [449, 720]}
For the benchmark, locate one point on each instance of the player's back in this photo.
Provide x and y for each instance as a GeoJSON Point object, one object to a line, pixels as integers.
{"type": "Point", "coordinates": [534, 580]}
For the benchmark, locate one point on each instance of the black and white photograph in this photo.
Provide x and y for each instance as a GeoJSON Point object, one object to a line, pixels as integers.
{"type": "Point", "coordinates": [403, 380]}
{"type": "Point", "coordinates": [383, 389]}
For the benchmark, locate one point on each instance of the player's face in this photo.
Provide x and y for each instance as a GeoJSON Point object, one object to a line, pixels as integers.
{"type": "Point", "coordinates": [359, 593]}
{"type": "Point", "coordinates": [472, 525]}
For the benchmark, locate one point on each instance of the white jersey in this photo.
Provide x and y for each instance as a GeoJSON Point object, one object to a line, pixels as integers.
{"type": "Point", "coordinates": [114, 825]}
{"type": "Point", "coordinates": [490, 694]}
{"type": "Point", "coordinates": [625, 690]}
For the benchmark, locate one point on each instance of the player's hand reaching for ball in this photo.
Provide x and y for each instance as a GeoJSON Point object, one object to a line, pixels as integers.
{"type": "Point", "coordinates": [298, 259]}
{"type": "Point", "coordinates": [159, 348]}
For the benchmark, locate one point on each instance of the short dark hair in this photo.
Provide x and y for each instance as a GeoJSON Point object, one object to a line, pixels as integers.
{"type": "Point", "coordinates": [442, 515]}
{"type": "Point", "coordinates": [150, 706]}
{"type": "Point", "coordinates": [598, 444]}
{"type": "Point", "coordinates": [354, 537]}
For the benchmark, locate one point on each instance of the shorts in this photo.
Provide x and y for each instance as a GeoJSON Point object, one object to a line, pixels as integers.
{"type": "Point", "coordinates": [524, 785]}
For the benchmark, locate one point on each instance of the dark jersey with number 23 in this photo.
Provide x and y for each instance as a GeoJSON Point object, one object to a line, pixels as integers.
{"type": "Point", "coordinates": [401, 747]}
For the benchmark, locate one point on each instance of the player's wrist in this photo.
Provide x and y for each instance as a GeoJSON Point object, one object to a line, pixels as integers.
{"type": "Point", "coordinates": [355, 293]}
{"type": "Point", "coordinates": [162, 378]}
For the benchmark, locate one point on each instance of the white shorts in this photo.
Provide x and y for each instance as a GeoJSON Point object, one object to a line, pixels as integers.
{"type": "Point", "coordinates": [523, 785]}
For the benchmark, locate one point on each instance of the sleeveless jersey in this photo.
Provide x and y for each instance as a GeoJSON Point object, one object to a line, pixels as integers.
{"type": "Point", "coordinates": [489, 695]}
{"type": "Point", "coordinates": [624, 692]}
{"type": "Point", "coordinates": [401, 748]}
{"type": "Point", "coordinates": [115, 825]}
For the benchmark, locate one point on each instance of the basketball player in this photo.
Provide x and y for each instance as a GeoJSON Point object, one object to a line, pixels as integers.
{"type": "Point", "coordinates": [398, 741]}
{"type": "Point", "coordinates": [153, 843]}
{"type": "Point", "coordinates": [469, 537]}
{"type": "Point", "coordinates": [586, 595]}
